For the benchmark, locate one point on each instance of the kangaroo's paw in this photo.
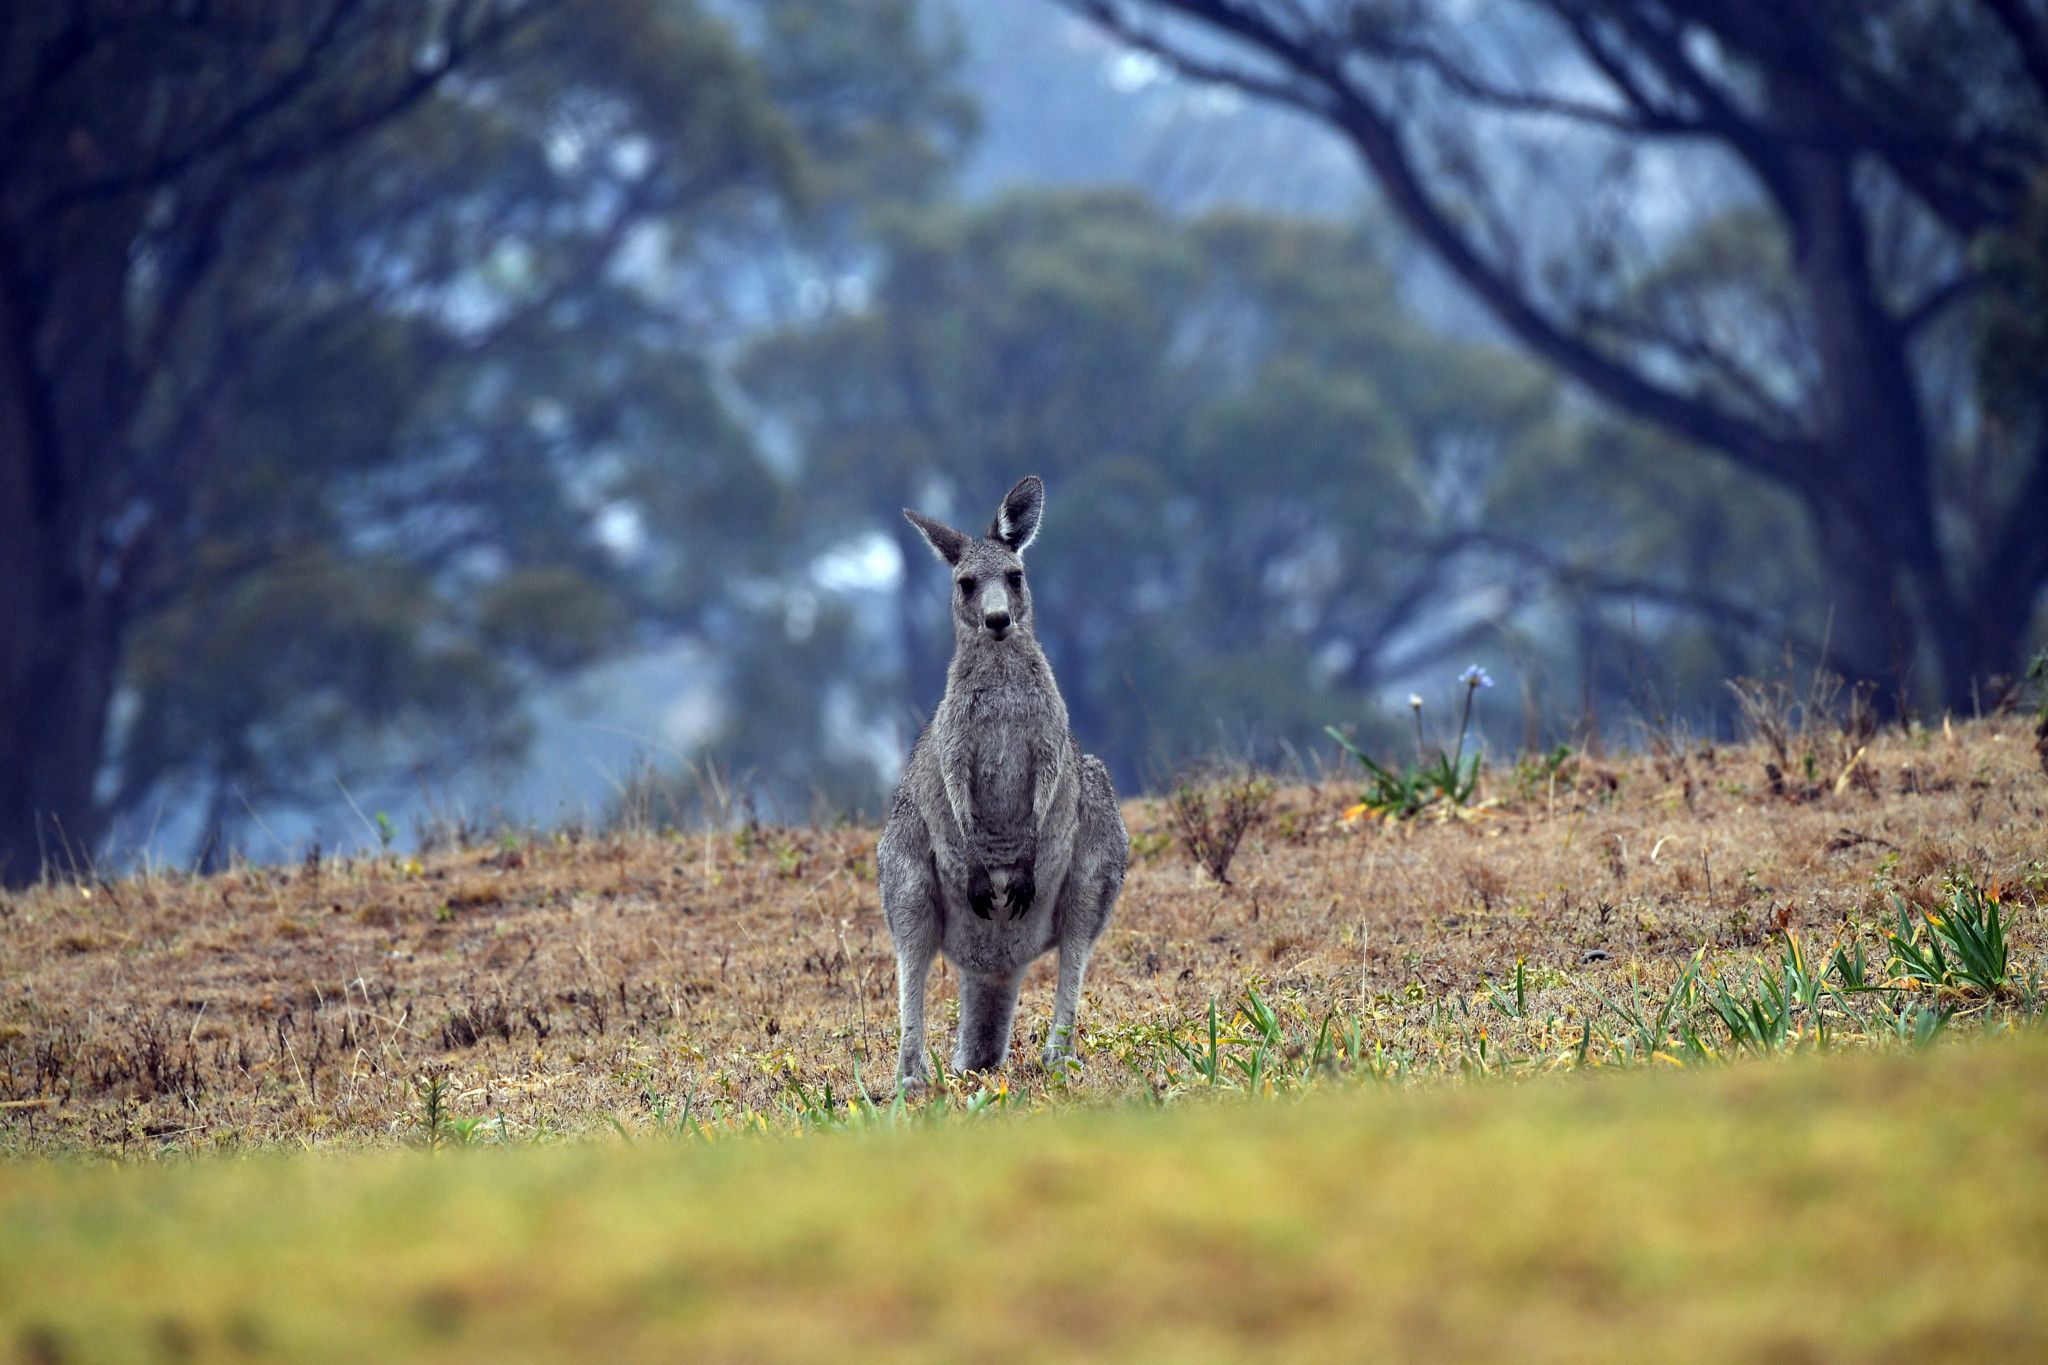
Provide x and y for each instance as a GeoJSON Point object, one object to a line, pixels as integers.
{"type": "Point", "coordinates": [981, 893]}
{"type": "Point", "coordinates": [1021, 891]}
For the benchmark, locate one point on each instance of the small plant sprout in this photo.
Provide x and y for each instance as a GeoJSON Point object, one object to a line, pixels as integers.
{"type": "Point", "coordinates": [1474, 678]}
{"type": "Point", "coordinates": [1515, 1005]}
{"type": "Point", "coordinates": [1447, 781]}
{"type": "Point", "coordinates": [1960, 952]}
{"type": "Point", "coordinates": [432, 1123]}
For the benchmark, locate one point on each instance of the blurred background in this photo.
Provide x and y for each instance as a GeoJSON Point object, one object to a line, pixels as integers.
{"type": "Point", "coordinates": [419, 416]}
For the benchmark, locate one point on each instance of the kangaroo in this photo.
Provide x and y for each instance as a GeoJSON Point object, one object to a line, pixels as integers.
{"type": "Point", "coordinates": [1004, 841]}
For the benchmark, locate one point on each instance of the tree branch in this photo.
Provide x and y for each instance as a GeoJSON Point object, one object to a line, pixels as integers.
{"type": "Point", "coordinates": [1786, 460]}
{"type": "Point", "coordinates": [1687, 345]}
{"type": "Point", "coordinates": [1938, 300]}
{"type": "Point", "coordinates": [470, 26]}
{"type": "Point", "coordinates": [1375, 136]}
{"type": "Point", "coordinates": [62, 54]}
{"type": "Point", "coordinates": [1647, 121]}
{"type": "Point", "coordinates": [1697, 601]}
{"type": "Point", "coordinates": [1718, 114]}
{"type": "Point", "coordinates": [2029, 33]}
{"type": "Point", "coordinates": [230, 128]}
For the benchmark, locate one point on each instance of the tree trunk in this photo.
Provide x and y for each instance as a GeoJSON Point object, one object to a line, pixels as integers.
{"type": "Point", "coordinates": [55, 703]}
{"type": "Point", "coordinates": [1871, 496]}
{"type": "Point", "coordinates": [2001, 613]}
{"type": "Point", "coordinates": [66, 391]}
{"type": "Point", "coordinates": [1869, 636]}
{"type": "Point", "coordinates": [56, 666]}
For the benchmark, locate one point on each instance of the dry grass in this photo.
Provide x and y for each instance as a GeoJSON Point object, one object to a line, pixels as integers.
{"type": "Point", "coordinates": [571, 984]}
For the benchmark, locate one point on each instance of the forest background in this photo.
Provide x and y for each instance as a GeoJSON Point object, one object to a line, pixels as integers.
{"type": "Point", "coordinates": [416, 418]}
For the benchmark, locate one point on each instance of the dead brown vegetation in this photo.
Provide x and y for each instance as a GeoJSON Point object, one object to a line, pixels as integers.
{"type": "Point", "coordinates": [1213, 813]}
{"type": "Point", "coordinates": [567, 982]}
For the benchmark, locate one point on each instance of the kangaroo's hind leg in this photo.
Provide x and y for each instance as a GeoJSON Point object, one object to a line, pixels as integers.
{"type": "Point", "coordinates": [1094, 880]}
{"type": "Point", "coordinates": [1094, 896]}
{"type": "Point", "coordinates": [1066, 1002]}
{"type": "Point", "coordinates": [911, 905]}
{"type": "Point", "coordinates": [988, 1005]}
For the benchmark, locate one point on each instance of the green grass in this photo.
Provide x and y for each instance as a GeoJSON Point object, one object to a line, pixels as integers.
{"type": "Point", "coordinates": [1871, 1205]}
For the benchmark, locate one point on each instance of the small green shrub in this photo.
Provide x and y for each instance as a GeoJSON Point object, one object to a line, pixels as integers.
{"type": "Point", "coordinates": [1450, 777]}
{"type": "Point", "coordinates": [1960, 950]}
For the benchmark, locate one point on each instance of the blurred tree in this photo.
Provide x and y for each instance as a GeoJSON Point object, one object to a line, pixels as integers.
{"type": "Point", "coordinates": [1273, 492]}
{"type": "Point", "coordinates": [1751, 224]}
{"type": "Point", "coordinates": [351, 361]}
{"type": "Point", "coordinates": [1659, 579]}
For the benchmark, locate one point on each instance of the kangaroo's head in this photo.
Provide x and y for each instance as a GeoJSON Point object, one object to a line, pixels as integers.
{"type": "Point", "coordinates": [991, 600]}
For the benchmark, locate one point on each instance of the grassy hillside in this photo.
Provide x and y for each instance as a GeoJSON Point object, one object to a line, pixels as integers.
{"type": "Point", "coordinates": [1296, 1130]}
{"type": "Point", "coordinates": [1867, 1207]}
{"type": "Point", "coordinates": [555, 985]}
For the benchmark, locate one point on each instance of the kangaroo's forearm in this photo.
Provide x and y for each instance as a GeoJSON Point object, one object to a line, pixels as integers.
{"type": "Point", "coordinates": [960, 801]}
{"type": "Point", "coordinates": [1045, 786]}
{"type": "Point", "coordinates": [958, 798]}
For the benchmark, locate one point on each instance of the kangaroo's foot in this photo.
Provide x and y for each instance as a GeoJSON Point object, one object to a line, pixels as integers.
{"type": "Point", "coordinates": [987, 1006]}
{"type": "Point", "coordinates": [1058, 1057]}
{"type": "Point", "coordinates": [1057, 1065]}
{"type": "Point", "coordinates": [984, 1059]}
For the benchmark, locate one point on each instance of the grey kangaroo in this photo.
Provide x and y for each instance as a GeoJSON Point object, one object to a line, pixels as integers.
{"type": "Point", "coordinates": [1005, 841]}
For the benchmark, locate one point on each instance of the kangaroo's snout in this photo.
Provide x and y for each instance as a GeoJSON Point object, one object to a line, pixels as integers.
{"type": "Point", "coordinates": [998, 623]}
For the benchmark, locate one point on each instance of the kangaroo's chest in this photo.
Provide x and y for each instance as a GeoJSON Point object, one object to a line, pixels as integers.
{"type": "Point", "coordinates": [1003, 731]}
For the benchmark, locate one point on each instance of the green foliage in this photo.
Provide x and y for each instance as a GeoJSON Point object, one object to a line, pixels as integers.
{"type": "Point", "coordinates": [431, 1123]}
{"type": "Point", "coordinates": [1515, 1006]}
{"type": "Point", "coordinates": [1450, 777]}
{"type": "Point", "coordinates": [1537, 773]}
{"type": "Point", "coordinates": [1959, 950]}
{"type": "Point", "coordinates": [277, 685]}
{"type": "Point", "coordinates": [434, 418]}
{"type": "Point", "coordinates": [1401, 793]}
{"type": "Point", "coordinates": [1253, 1053]}
{"type": "Point", "coordinates": [1143, 363]}
{"type": "Point", "coordinates": [893, 122]}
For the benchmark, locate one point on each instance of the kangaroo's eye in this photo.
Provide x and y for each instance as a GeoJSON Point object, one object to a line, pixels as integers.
{"type": "Point", "coordinates": [967, 587]}
{"type": "Point", "coordinates": [1016, 577]}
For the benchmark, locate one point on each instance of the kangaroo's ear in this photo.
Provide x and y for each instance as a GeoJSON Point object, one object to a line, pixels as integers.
{"type": "Point", "coordinates": [946, 542]}
{"type": "Point", "coordinates": [1016, 521]}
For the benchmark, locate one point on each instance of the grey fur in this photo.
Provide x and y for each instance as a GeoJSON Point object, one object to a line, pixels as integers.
{"type": "Point", "coordinates": [1005, 842]}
